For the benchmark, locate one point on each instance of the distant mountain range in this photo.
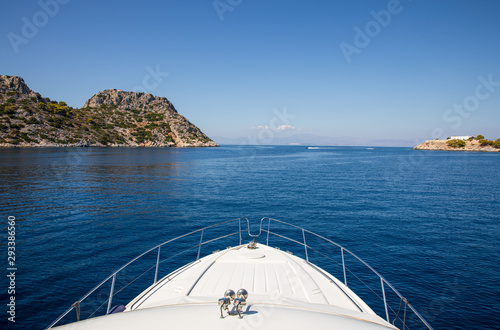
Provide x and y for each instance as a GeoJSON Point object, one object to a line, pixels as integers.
{"type": "Point", "coordinates": [317, 140]}
{"type": "Point", "coordinates": [111, 118]}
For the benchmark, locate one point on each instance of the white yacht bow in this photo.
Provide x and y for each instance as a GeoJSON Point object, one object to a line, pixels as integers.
{"type": "Point", "coordinates": [250, 286]}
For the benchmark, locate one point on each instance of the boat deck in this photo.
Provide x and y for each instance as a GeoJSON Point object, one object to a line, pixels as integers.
{"type": "Point", "coordinates": [268, 274]}
{"type": "Point", "coordinates": [284, 291]}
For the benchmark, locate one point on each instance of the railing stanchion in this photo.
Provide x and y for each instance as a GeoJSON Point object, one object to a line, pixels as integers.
{"type": "Point", "coordinates": [385, 300]}
{"type": "Point", "coordinates": [268, 229]}
{"type": "Point", "coordinates": [199, 247]}
{"type": "Point", "coordinates": [343, 266]}
{"type": "Point", "coordinates": [157, 263]}
{"type": "Point", "coordinates": [239, 223]}
{"type": "Point", "coordinates": [111, 293]}
{"type": "Point", "coordinates": [305, 245]}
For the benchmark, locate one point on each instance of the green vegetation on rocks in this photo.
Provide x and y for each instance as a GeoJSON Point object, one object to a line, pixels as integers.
{"type": "Point", "coordinates": [494, 144]}
{"type": "Point", "coordinates": [110, 118]}
{"type": "Point", "coordinates": [456, 143]}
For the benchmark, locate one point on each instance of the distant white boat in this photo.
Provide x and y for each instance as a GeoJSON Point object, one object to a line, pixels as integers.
{"type": "Point", "coordinates": [370, 148]}
{"type": "Point", "coordinates": [243, 287]}
{"type": "Point", "coordinates": [313, 148]}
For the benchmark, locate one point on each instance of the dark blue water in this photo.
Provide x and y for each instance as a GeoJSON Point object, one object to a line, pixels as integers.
{"type": "Point", "coordinates": [427, 221]}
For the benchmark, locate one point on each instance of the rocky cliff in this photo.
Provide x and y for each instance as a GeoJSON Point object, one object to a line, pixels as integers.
{"type": "Point", "coordinates": [470, 145]}
{"type": "Point", "coordinates": [111, 118]}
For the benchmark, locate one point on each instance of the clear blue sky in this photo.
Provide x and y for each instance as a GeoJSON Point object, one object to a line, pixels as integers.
{"type": "Point", "coordinates": [227, 75]}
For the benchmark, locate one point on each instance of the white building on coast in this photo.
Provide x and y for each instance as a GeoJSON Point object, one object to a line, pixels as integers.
{"type": "Point", "coordinates": [460, 137]}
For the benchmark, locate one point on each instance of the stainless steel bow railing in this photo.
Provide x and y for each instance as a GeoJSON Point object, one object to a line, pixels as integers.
{"type": "Point", "coordinates": [268, 227]}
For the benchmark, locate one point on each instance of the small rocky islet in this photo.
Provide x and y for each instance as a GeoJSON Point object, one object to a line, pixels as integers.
{"type": "Point", "coordinates": [478, 143]}
{"type": "Point", "coordinates": [111, 118]}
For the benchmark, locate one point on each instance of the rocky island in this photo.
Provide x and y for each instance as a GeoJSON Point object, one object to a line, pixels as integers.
{"type": "Point", "coordinates": [478, 143]}
{"type": "Point", "coordinates": [111, 118]}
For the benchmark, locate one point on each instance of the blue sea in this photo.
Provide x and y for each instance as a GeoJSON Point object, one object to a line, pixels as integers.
{"type": "Point", "coordinates": [428, 221]}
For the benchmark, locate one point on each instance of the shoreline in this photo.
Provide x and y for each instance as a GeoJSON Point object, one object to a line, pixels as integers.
{"type": "Point", "coordinates": [3, 146]}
